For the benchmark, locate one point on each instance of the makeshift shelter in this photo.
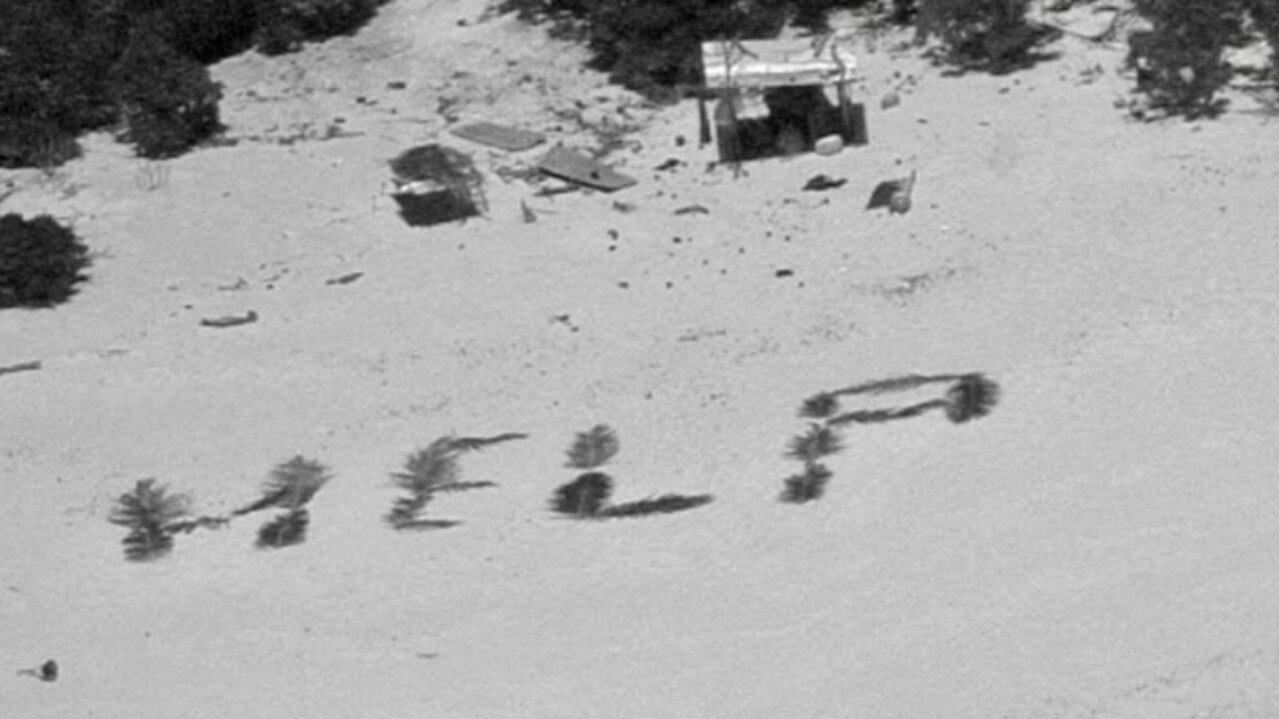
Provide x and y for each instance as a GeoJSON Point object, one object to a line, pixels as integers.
{"type": "Point", "coordinates": [773, 96]}
{"type": "Point", "coordinates": [435, 184]}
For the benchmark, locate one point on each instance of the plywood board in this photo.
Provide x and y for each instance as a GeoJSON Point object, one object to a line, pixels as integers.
{"type": "Point", "coordinates": [573, 166]}
{"type": "Point", "coordinates": [501, 136]}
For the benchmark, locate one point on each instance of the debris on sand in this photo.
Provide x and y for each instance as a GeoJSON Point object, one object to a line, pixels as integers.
{"type": "Point", "coordinates": [344, 279]}
{"type": "Point", "coordinates": [503, 137]}
{"type": "Point", "coordinates": [575, 167]}
{"type": "Point", "coordinates": [819, 183]}
{"type": "Point", "coordinates": [47, 672]}
{"type": "Point", "coordinates": [230, 320]}
{"type": "Point", "coordinates": [21, 367]}
{"type": "Point", "coordinates": [893, 194]}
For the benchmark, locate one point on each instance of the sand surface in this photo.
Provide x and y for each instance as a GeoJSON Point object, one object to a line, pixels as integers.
{"type": "Point", "coordinates": [1105, 544]}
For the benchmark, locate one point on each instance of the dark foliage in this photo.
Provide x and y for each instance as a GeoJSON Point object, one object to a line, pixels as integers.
{"type": "Point", "coordinates": [653, 45]}
{"type": "Point", "coordinates": [291, 485]}
{"type": "Point", "coordinates": [40, 261]}
{"type": "Point", "coordinates": [807, 486]}
{"type": "Point", "coordinates": [972, 397]}
{"type": "Point", "coordinates": [875, 416]}
{"type": "Point", "coordinates": [1265, 16]}
{"type": "Point", "coordinates": [283, 25]}
{"type": "Point", "coordinates": [986, 34]}
{"type": "Point", "coordinates": [71, 65]}
{"type": "Point", "coordinates": [895, 384]}
{"type": "Point", "coordinates": [591, 449]}
{"type": "Point", "coordinates": [35, 143]}
{"type": "Point", "coordinates": [168, 101]}
{"type": "Point", "coordinates": [204, 30]}
{"type": "Point", "coordinates": [819, 441]}
{"type": "Point", "coordinates": [150, 513]}
{"type": "Point", "coordinates": [1179, 62]}
{"type": "Point", "coordinates": [585, 496]}
{"type": "Point", "coordinates": [812, 14]}
{"type": "Point", "coordinates": [40, 79]}
{"type": "Point", "coordinates": [435, 469]}
{"type": "Point", "coordinates": [665, 504]}
{"type": "Point", "coordinates": [819, 406]}
{"type": "Point", "coordinates": [285, 530]}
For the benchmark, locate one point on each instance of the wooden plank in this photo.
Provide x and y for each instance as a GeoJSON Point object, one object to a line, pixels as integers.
{"type": "Point", "coordinates": [500, 136]}
{"type": "Point", "coordinates": [573, 166]}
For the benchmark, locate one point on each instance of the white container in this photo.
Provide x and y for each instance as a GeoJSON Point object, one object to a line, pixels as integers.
{"type": "Point", "coordinates": [829, 145]}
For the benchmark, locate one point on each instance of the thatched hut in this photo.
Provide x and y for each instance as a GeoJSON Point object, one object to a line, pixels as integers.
{"type": "Point", "coordinates": [773, 96]}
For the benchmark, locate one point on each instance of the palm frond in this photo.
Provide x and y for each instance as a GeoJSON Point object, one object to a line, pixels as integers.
{"type": "Point", "coordinates": [665, 504]}
{"type": "Point", "coordinates": [405, 510]}
{"type": "Point", "coordinates": [819, 406]}
{"type": "Point", "coordinates": [806, 486]}
{"type": "Point", "coordinates": [285, 530]}
{"type": "Point", "coordinates": [429, 468]}
{"type": "Point", "coordinates": [584, 496]}
{"type": "Point", "coordinates": [149, 505]}
{"type": "Point", "coordinates": [467, 444]}
{"type": "Point", "coordinates": [895, 384]}
{"type": "Point", "coordinates": [875, 416]}
{"type": "Point", "coordinates": [973, 396]}
{"type": "Point", "coordinates": [291, 485]}
{"type": "Point", "coordinates": [593, 448]}
{"type": "Point", "coordinates": [146, 544]}
{"type": "Point", "coordinates": [819, 441]}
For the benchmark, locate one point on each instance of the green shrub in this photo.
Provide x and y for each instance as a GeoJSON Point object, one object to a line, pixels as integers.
{"type": "Point", "coordinates": [1179, 61]}
{"type": "Point", "coordinates": [40, 262]}
{"type": "Point", "coordinates": [206, 30]}
{"type": "Point", "coordinates": [169, 103]}
{"type": "Point", "coordinates": [975, 31]}
{"type": "Point", "coordinates": [1265, 16]}
{"type": "Point", "coordinates": [35, 143]}
{"type": "Point", "coordinates": [283, 25]}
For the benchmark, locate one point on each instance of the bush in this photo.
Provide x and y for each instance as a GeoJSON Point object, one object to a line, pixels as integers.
{"type": "Point", "coordinates": [1265, 16]}
{"type": "Point", "coordinates": [206, 30]}
{"type": "Point", "coordinates": [974, 30]}
{"type": "Point", "coordinates": [35, 143]}
{"type": "Point", "coordinates": [169, 102]}
{"type": "Point", "coordinates": [71, 65]}
{"type": "Point", "coordinates": [812, 13]}
{"type": "Point", "coordinates": [283, 25]}
{"type": "Point", "coordinates": [1179, 61]}
{"type": "Point", "coordinates": [40, 262]}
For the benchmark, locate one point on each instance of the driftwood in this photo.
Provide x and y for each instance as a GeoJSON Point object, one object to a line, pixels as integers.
{"type": "Point", "coordinates": [230, 320]}
{"type": "Point", "coordinates": [345, 279]}
{"type": "Point", "coordinates": [21, 367]}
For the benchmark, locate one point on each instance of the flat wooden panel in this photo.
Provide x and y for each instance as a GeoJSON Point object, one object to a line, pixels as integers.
{"type": "Point", "coordinates": [494, 135]}
{"type": "Point", "coordinates": [574, 166]}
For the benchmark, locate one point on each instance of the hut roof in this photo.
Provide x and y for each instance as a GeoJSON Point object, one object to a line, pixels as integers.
{"type": "Point", "coordinates": [775, 63]}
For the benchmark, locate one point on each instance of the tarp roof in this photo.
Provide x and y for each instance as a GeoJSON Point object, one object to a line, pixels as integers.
{"type": "Point", "coordinates": [775, 63]}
